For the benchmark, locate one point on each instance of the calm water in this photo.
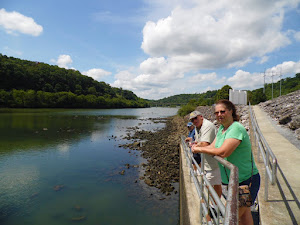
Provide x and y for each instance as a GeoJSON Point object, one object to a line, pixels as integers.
{"type": "Point", "coordinates": [75, 152]}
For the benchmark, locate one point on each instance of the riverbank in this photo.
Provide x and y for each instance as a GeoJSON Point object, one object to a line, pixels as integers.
{"type": "Point", "coordinates": [161, 150]}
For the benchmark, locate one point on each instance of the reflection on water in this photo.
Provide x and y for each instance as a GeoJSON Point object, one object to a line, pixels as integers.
{"type": "Point", "coordinates": [63, 167]}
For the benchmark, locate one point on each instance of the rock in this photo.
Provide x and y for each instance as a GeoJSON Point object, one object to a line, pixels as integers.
{"type": "Point", "coordinates": [77, 208]}
{"type": "Point", "coordinates": [58, 187]}
{"type": "Point", "coordinates": [285, 119]}
{"type": "Point", "coordinates": [34, 195]}
{"type": "Point", "coordinates": [136, 144]}
{"type": "Point", "coordinates": [148, 182]}
{"type": "Point", "coordinates": [80, 218]}
{"type": "Point", "coordinates": [295, 123]}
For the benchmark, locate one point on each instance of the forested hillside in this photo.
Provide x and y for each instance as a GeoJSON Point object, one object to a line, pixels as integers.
{"type": "Point", "coordinates": [182, 99]}
{"type": "Point", "coordinates": [33, 84]}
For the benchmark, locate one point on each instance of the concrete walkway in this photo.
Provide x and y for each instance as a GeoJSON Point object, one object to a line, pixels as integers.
{"type": "Point", "coordinates": [283, 205]}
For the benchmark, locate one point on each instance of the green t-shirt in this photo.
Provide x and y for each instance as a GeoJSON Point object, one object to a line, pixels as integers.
{"type": "Point", "coordinates": [242, 156]}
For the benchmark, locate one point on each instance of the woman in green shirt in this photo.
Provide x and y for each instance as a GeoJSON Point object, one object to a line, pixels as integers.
{"type": "Point", "coordinates": [233, 144]}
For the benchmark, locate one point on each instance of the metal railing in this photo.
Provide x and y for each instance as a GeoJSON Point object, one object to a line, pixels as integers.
{"type": "Point", "coordinates": [223, 214]}
{"type": "Point", "coordinates": [265, 152]}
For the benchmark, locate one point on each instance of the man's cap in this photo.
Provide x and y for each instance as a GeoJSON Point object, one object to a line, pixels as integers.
{"type": "Point", "coordinates": [194, 114]}
{"type": "Point", "coordinates": [189, 124]}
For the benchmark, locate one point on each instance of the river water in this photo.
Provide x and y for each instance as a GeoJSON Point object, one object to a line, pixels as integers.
{"type": "Point", "coordinates": [63, 167]}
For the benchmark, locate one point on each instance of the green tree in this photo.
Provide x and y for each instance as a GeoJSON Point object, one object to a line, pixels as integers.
{"type": "Point", "coordinates": [48, 88]}
{"type": "Point", "coordinates": [30, 99]}
{"type": "Point", "coordinates": [92, 91]}
{"type": "Point", "coordinates": [186, 109]}
{"type": "Point", "coordinates": [5, 98]}
{"type": "Point", "coordinates": [78, 89]}
{"type": "Point", "coordinates": [257, 96]}
{"type": "Point", "coordinates": [18, 98]}
{"type": "Point", "coordinates": [192, 102]}
{"type": "Point", "coordinates": [223, 93]}
{"type": "Point", "coordinates": [58, 88]}
{"type": "Point", "coordinates": [91, 101]}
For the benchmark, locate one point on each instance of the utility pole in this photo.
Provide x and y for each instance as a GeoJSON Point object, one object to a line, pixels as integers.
{"type": "Point", "coordinates": [272, 84]}
{"type": "Point", "coordinates": [280, 80]}
{"type": "Point", "coordinates": [264, 82]}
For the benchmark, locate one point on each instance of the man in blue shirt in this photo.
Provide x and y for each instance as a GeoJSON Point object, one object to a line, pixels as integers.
{"type": "Point", "coordinates": [191, 128]}
{"type": "Point", "coordinates": [191, 138]}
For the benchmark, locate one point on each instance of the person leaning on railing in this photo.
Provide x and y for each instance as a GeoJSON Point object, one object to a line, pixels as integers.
{"type": "Point", "coordinates": [233, 144]}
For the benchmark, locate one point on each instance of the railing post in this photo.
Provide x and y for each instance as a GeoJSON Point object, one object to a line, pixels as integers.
{"type": "Point", "coordinates": [266, 186]}
{"type": "Point", "coordinates": [201, 187]}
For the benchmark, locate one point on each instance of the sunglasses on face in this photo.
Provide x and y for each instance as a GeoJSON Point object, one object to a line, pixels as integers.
{"type": "Point", "coordinates": [221, 111]}
{"type": "Point", "coordinates": [194, 119]}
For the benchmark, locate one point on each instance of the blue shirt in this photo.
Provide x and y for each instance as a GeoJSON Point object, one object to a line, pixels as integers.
{"type": "Point", "coordinates": [192, 134]}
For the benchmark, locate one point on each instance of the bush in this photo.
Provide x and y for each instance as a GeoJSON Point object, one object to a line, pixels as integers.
{"type": "Point", "coordinates": [186, 109]}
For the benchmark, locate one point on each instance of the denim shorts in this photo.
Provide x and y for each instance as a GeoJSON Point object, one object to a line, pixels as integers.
{"type": "Point", "coordinates": [197, 157]}
{"type": "Point", "coordinates": [255, 184]}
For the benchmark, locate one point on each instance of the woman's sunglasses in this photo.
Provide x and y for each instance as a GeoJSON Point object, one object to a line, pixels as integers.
{"type": "Point", "coordinates": [221, 111]}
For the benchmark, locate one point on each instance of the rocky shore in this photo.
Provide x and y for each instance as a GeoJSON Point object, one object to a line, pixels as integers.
{"type": "Point", "coordinates": [161, 149]}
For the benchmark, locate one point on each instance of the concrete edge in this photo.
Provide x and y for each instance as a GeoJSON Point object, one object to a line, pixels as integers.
{"type": "Point", "coordinates": [189, 199]}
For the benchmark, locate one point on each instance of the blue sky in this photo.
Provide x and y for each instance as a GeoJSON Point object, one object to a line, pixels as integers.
{"type": "Point", "coordinates": [158, 48]}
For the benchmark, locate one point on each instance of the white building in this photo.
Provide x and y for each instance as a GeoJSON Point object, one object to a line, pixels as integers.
{"type": "Point", "coordinates": [238, 97]}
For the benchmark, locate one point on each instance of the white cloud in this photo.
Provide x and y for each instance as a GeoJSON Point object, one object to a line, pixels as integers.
{"type": "Point", "coordinates": [263, 59]}
{"type": "Point", "coordinates": [245, 80]}
{"type": "Point", "coordinates": [201, 34]}
{"type": "Point", "coordinates": [297, 36]}
{"type": "Point", "coordinates": [289, 68]}
{"type": "Point", "coordinates": [199, 78]}
{"type": "Point", "coordinates": [97, 74]}
{"type": "Point", "coordinates": [63, 61]}
{"type": "Point", "coordinates": [16, 22]}
{"type": "Point", "coordinates": [218, 34]}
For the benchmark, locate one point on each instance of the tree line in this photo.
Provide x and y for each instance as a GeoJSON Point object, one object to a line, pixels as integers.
{"type": "Point", "coordinates": [31, 84]}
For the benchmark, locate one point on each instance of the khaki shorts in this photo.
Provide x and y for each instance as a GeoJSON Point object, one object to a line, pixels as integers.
{"type": "Point", "coordinates": [214, 176]}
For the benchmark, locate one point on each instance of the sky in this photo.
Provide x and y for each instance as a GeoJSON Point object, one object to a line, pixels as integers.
{"type": "Point", "coordinates": [158, 48]}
